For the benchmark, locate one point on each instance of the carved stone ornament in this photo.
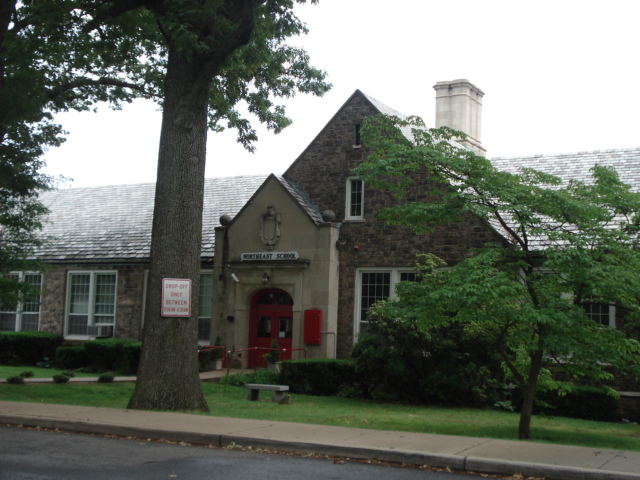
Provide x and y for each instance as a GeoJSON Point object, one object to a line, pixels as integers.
{"type": "Point", "coordinates": [270, 228]}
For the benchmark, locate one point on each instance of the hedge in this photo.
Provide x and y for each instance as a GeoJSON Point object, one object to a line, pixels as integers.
{"type": "Point", "coordinates": [318, 376]}
{"type": "Point", "coordinates": [588, 403]}
{"type": "Point", "coordinates": [27, 348]}
{"type": "Point", "coordinates": [71, 357]}
{"type": "Point", "coordinates": [113, 354]}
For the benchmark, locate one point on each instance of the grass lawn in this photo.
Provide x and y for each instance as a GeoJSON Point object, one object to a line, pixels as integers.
{"type": "Point", "coordinates": [231, 402]}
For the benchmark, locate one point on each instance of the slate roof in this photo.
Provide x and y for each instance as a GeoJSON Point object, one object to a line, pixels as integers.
{"type": "Point", "coordinates": [113, 223]}
{"type": "Point", "coordinates": [573, 166]}
{"type": "Point", "coordinates": [300, 197]}
{"type": "Point", "coordinates": [386, 110]}
{"type": "Point", "coordinates": [576, 165]}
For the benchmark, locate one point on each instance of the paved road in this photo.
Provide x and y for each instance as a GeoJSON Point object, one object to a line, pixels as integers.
{"type": "Point", "coordinates": [27, 454]}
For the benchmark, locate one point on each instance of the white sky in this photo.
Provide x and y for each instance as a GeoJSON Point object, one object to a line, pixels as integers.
{"type": "Point", "coordinates": [558, 76]}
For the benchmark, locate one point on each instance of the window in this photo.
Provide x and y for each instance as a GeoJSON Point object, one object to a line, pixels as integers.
{"type": "Point", "coordinates": [373, 285]}
{"type": "Point", "coordinates": [355, 199]}
{"type": "Point", "coordinates": [358, 139]}
{"type": "Point", "coordinates": [24, 314]}
{"type": "Point", "coordinates": [602, 313]}
{"type": "Point", "coordinates": [204, 309]}
{"type": "Point", "coordinates": [91, 304]}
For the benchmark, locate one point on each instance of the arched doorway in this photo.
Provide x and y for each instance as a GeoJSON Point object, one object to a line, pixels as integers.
{"type": "Point", "coordinates": [271, 319]}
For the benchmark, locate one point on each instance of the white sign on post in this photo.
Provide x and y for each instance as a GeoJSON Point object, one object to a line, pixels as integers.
{"type": "Point", "coordinates": [176, 297]}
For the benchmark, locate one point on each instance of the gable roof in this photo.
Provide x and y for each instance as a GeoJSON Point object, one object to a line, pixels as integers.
{"type": "Point", "coordinates": [113, 223]}
{"type": "Point", "coordinates": [296, 194]}
{"type": "Point", "coordinates": [377, 105]}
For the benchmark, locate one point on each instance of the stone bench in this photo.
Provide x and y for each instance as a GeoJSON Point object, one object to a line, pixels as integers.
{"type": "Point", "coordinates": [277, 391]}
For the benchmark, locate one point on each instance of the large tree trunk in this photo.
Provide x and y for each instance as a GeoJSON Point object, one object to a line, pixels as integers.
{"type": "Point", "coordinates": [168, 375]}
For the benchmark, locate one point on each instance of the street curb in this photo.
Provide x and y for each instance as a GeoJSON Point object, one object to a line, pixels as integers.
{"type": "Point", "coordinates": [549, 472]}
{"type": "Point", "coordinates": [453, 462]}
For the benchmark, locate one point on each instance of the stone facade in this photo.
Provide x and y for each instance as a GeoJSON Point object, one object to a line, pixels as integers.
{"type": "Point", "coordinates": [129, 294]}
{"type": "Point", "coordinates": [322, 171]}
{"type": "Point", "coordinates": [309, 278]}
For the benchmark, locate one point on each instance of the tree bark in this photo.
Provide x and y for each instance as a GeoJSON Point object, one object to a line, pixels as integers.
{"type": "Point", "coordinates": [168, 376]}
{"type": "Point", "coordinates": [529, 394]}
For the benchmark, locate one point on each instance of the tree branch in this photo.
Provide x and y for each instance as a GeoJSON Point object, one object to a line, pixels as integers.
{"type": "Point", "coordinates": [64, 88]}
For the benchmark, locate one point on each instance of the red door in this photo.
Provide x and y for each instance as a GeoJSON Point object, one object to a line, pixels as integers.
{"type": "Point", "coordinates": [271, 319]}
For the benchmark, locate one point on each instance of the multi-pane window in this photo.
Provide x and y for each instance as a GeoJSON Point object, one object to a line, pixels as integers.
{"type": "Point", "coordinates": [374, 285]}
{"type": "Point", "coordinates": [91, 302]}
{"type": "Point", "coordinates": [204, 310]}
{"type": "Point", "coordinates": [602, 313]}
{"type": "Point", "coordinates": [355, 199]}
{"type": "Point", "coordinates": [24, 314]}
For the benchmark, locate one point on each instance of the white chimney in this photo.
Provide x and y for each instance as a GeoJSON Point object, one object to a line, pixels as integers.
{"type": "Point", "coordinates": [459, 106]}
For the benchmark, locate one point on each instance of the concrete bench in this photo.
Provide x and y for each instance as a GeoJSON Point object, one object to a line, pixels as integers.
{"type": "Point", "coordinates": [277, 391]}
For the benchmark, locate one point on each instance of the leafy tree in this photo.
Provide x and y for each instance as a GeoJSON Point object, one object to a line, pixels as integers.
{"type": "Point", "coordinates": [199, 59]}
{"type": "Point", "coordinates": [218, 54]}
{"type": "Point", "coordinates": [566, 245]}
{"type": "Point", "coordinates": [52, 61]}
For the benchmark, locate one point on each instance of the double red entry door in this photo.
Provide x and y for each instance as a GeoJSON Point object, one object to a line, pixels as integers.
{"type": "Point", "coordinates": [271, 319]}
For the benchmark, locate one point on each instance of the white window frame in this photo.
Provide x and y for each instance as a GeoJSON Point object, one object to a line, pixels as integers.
{"type": "Point", "coordinates": [394, 278]}
{"type": "Point", "coordinates": [348, 202]}
{"type": "Point", "coordinates": [91, 305]}
{"type": "Point", "coordinates": [611, 314]}
{"type": "Point", "coordinates": [201, 317]}
{"type": "Point", "coordinates": [19, 311]}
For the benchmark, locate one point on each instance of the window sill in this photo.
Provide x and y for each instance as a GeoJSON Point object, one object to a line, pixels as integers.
{"type": "Point", "coordinates": [77, 337]}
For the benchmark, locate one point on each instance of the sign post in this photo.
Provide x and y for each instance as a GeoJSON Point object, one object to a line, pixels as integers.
{"type": "Point", "coordinates": [176, 297]}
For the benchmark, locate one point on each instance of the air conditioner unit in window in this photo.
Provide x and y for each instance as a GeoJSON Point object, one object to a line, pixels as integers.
{"type": "Point", "coordinates": [100, 331]}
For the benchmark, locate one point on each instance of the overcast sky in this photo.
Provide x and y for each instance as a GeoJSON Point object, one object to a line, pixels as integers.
{"type": "Point", "coordinates": [558, 76]}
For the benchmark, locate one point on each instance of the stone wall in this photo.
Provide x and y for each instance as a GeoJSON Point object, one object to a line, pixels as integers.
{"type": "Point", "coordinates": [321, 172]}
{"type": "Point", "coordinates": [129, 298]}
{"type": "Point", "coordinates": [54, 282]}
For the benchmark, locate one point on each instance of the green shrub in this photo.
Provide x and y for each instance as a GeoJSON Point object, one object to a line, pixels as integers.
{"type": "Point", "coordinates": [114, 354]}
{"type": "Point", "coordinates": [316, 377]}
{"type": "Point", "coordinates": [273, 355]}
{"type": "Point", "coordinates": [106, 377]}
{"type": "Point", "coordinates": [403, 359]}
{"type": "Point", "coordinates": [130, 359]}
{"type": "Point", "coordinates": [27, 348]}
{"type": "Point", "coordinates": [587, 403]}
{"type": "Point", "coordinates": [27, 374]}
{"type": "Point", "coordinates": [374, 364]}
{"type": "Point", "coordinates": [71, 357]}
{"type": "Point", "coordinates": [60, 378]}
{"type": "Point", "coordinates": [205, 357]}
{"type": "Point", "coordinates": [16, 380]}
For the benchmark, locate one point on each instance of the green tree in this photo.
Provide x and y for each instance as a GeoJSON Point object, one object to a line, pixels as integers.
{"type": "Point", "coordinates": [218, 54]}
{"type": "Point", "coordinates": [52, 61]}
{"type": "Point", "coordinates": [566, 246]}
{"type": "Point", "coordinates": [200, 59]}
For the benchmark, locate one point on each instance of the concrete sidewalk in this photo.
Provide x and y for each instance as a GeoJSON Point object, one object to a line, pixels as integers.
{"type": "Point", "coordinates": [479, 455]}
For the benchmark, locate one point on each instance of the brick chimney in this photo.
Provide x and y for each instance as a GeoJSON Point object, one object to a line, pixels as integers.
{"type": "Point", "coordinates": [459, 106]}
